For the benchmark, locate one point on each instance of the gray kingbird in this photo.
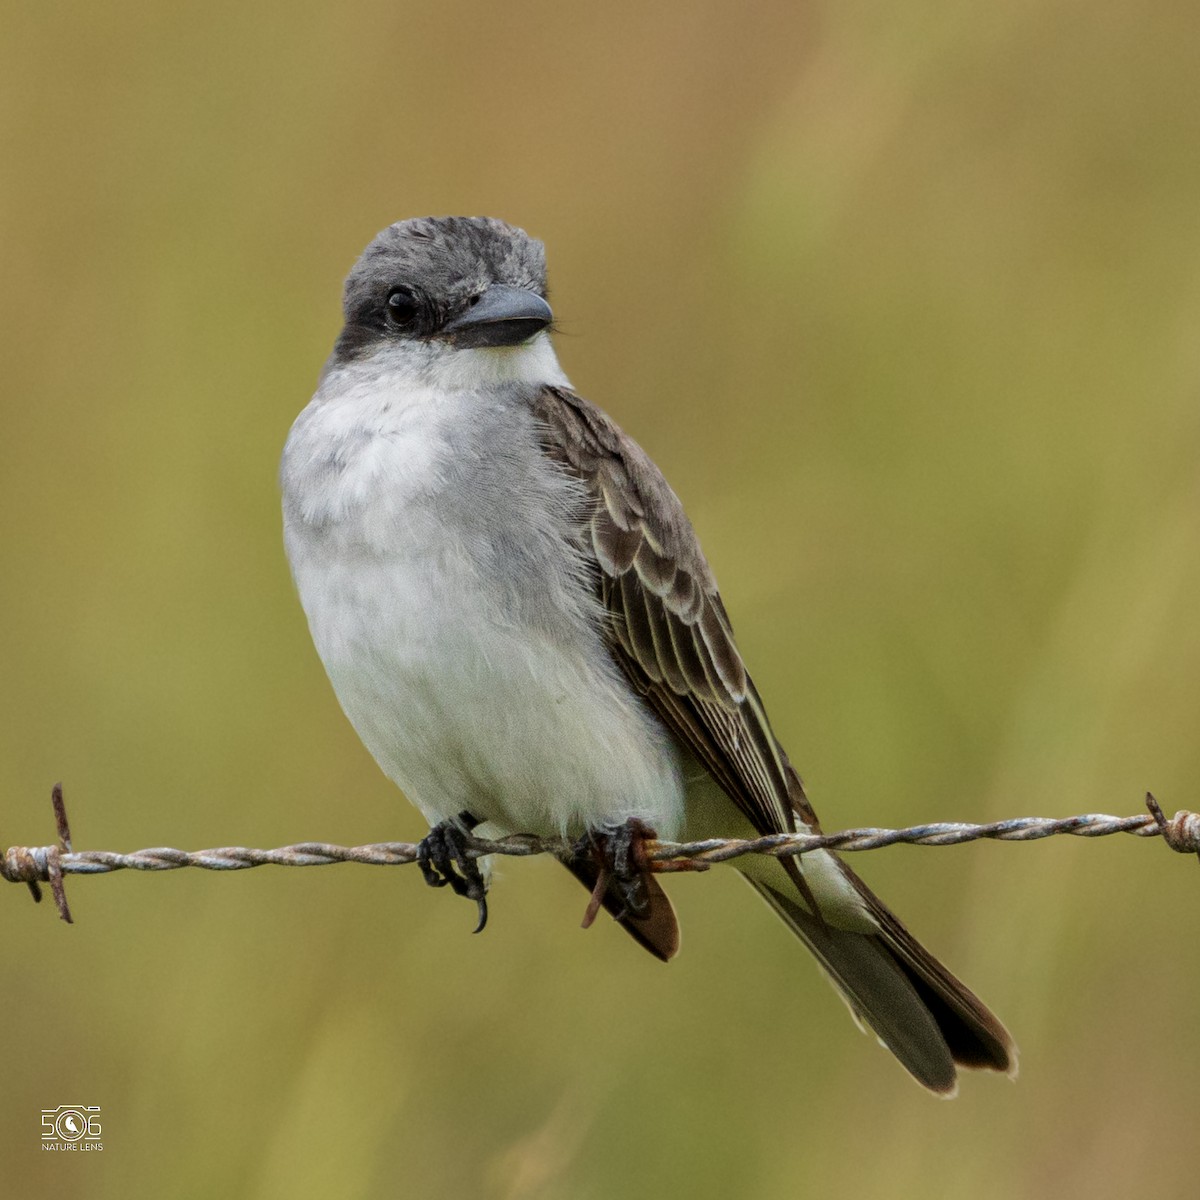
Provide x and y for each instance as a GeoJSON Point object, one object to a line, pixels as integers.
{"type": "Point", "coordinates": [517, 618]}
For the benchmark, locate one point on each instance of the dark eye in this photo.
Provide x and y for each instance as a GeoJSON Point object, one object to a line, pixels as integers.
{"type": "Point", "coordinates": [402, 307]}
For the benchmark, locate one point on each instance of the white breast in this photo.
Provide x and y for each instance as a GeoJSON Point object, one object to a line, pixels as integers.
{"type": "Point", "coordinates": [429, 538]}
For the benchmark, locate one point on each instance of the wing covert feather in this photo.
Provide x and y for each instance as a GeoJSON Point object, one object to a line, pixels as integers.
{"type": "Point", "coordinates": [668, 629]}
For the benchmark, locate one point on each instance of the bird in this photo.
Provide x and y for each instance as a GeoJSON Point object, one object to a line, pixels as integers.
{"type": "Point", "coordinates": [518, 620]}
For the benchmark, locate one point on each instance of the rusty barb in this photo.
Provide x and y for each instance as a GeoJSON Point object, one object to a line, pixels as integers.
{"type": "Point", "coordinates": [43, 864]}
{"type": "Point", "coordinates": [49, 864]}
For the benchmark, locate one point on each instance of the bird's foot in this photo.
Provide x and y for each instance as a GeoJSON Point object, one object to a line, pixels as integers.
{"type": "Point", "coordinates": [622, 868]}
{"type": "Point", "coordinates": [443, 859]}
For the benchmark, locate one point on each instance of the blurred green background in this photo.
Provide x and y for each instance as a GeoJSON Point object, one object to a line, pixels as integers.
{"type": "Point", "coordinates": [903, 299]}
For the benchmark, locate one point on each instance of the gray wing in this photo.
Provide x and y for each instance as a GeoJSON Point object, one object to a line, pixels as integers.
{"type": "Point", "coordinates": [669, 632]}
{"type": "Point", "coordinates": [668, 628]}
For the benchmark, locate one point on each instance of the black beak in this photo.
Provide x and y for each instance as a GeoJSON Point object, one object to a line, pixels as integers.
{"type": "Point", "coordinates": [501, 316]}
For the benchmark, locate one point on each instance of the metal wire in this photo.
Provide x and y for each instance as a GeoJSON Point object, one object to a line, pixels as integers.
{"type": "Point", "coordinates": [48, 864]}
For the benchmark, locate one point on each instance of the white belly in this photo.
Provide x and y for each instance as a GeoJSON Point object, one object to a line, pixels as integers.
{"type": "Point", "coordinates": [473, 672]}
{"type": "Point", "coordinates": [466, 715]}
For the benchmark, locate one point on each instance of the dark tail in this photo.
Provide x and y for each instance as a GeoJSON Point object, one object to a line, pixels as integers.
{"type": "Point", "coordinates": [926, 1017]}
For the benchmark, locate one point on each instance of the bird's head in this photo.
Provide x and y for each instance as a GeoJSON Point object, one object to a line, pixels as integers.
{"type": "Point", "coordinates": [451, 298]}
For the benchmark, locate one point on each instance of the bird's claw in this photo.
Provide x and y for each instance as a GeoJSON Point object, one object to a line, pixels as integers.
{"type": "Point", "coordinates": [443, 859]}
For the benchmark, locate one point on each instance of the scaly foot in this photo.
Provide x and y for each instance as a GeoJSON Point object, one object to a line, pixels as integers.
{"type": "Point", "coordinates": [443, 859]}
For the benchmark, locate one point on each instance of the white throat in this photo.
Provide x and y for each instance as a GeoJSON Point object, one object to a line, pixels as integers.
{"type": "Point", "coordinates": [438, 366]}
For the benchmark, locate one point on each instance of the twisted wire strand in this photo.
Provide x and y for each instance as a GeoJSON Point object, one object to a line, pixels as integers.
{"type": "Point", "coordinates": [48, 864]}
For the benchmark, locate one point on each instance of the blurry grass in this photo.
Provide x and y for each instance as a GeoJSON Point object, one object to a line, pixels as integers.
{"type": "Point", "coordinates": [905, 303]}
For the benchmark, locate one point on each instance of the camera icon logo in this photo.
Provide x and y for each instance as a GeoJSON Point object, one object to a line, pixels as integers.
{"type": "Point", "coordinates": [71, 1123]}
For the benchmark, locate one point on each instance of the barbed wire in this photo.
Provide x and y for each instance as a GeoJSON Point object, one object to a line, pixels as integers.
{"type": "Point", "coordinates": [49, 864]}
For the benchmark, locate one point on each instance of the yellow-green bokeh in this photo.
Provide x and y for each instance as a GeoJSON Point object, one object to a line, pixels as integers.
{"type": "Point", "coordinates": [905, 300]}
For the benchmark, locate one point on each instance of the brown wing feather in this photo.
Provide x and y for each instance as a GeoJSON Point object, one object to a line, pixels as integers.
{"type": "Point", "coordinates": [670, 634]}
{"type": "Point", "coordinates": [668, 627]}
